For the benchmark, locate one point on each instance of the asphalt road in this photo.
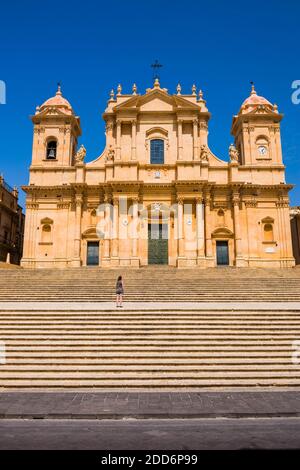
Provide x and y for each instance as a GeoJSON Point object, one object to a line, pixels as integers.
{"type": "Point", "coordinates": [162, 434]}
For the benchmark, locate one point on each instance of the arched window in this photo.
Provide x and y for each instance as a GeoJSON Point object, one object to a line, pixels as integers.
{"type": "Point", "coordinates": [157, 151]}
{"type": "Point", "coordinates": [268, 232]}
{"type": "Point", "coordinates": [46, 233]}
{"type": "Point", "coordinates": [51, 150]}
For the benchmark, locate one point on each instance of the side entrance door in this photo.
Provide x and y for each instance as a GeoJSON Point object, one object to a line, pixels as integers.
{"type": "Point", "coordinates": [158, 244]}
{"type": "Point", "coordinates": [92, 254]}
{"type": "Point", "coordinates": [222, 253]}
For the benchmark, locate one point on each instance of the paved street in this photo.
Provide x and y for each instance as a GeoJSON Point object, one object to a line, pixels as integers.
{"type": "Point", "coordinates": [198, 434]}
{"type": "Point", "coordinates": [149, 405]}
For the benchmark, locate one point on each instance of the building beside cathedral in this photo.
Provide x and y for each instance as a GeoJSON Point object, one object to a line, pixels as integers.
{"type": "Point", "coordinates": [12, 222]}
{"type": "Point", "coordinates": [295, 227]}
{"type": "Point", "coordinates": [157, 194]}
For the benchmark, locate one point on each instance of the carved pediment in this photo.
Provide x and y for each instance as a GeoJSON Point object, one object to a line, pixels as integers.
{"type": "Point", "coordinates": [90, 232]}
{"type": "Point", "coordinates": [156, 100]}
{"type": "Point", "coordinates": [222, 232]}
{"type": "Point", "coordinates": [268, 220]}
{"type": "Point", "coordinates": [51, 111]}
{"type": "Point", "coordinates": [263, 109]}
{"type": "Point", "coordinates": [46, 221]}
{"type": "Point", "coordinates": [156, 131]}
{"type": "Point", "coordinates": [157, 104]}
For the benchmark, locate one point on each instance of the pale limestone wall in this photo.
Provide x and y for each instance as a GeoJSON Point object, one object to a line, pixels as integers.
{"type": "Point", "coordinates": [222, 201]}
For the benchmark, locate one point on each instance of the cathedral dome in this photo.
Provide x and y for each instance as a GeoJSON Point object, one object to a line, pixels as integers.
{"type": "Point", "coordinates": [58, 101]}
{"type": "Point", "coordinates": [253, 101]}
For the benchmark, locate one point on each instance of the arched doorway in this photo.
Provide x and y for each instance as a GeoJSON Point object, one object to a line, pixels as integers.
{"type": "Point", "coordinates": [158, 234]}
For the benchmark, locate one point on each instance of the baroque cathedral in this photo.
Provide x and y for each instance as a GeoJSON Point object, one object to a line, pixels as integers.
{"type": "Point", "coordinates": [157, 194]}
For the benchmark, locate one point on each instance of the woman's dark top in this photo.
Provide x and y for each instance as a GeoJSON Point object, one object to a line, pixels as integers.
{"type": "Point", "coordinates": [119, 287]}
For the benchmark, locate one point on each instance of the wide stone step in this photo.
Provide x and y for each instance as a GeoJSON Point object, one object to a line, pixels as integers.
{"type": "Point", "coordinates": [201, 344]}
{"type": "Point", "coordinates": [147, 328]}
{"type": "Point", "coordinates": [161, 368]}
{"type": "Point", "coordinates": [141, 318]}
{"type": "Point", "coordinates": [129, 356]}
{"type": "Point", "coordinates": [137, 285]}
{"type": "Point", "coordinates": [129, 375]}
{"type": "Point", "coordinates": [127, 351]}
{"type": "Point", "coordinates": [44, 320]}
{"type": "Point", "coordinates": [154, 335]}
{"type": "Point", "coordinates": [151, 383]}
{"type": "Point", "coordinates": [140, 362]}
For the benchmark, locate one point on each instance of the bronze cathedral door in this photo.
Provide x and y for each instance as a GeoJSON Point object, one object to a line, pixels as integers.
{"type": "Point", "coordinates": [158, 244]}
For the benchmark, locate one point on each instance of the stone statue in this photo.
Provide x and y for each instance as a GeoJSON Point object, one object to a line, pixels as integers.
{"type": "Point", "coordinates": [204, 153]}
{"type": "Point", "coordinates": [110, 155]}
{"type": "Point", "coordinates": [233, 153]}
{"type": "Point", "coordinates": [80, 155]}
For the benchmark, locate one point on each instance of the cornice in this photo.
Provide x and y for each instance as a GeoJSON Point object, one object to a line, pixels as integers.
{"type": "Point", "coordinates": [33, 188]}
{"type": "Point", "coordinates": [192, 183]}
{"type": "Point", "coordinates": [125, 163]}
{"type": "Point", "coordinates": [262, 167]}
{"type": "Point", "coordinates": [52, 168]}
{"type": "Point", "coordinates": [197, 185]}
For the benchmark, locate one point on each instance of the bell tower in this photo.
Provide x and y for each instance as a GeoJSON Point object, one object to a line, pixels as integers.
{"type": "Point", "coordinates": [56, 130]}
{"type": "Point", "coordinates": [256, 130]}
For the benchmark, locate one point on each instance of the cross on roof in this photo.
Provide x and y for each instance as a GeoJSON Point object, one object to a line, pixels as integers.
{"type": "Point", "coordinates": [156, 66]}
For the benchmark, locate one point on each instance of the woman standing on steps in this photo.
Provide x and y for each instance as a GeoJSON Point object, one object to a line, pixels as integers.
{"type": "Point", "coordinates": [119, 292]}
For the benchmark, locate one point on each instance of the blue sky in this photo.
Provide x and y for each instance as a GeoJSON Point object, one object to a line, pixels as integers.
{"type": "Point", "coordinates": [92, 46]}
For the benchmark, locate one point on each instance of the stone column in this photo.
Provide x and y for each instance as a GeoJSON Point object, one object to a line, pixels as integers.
{"type": "Point", "coordinates": [133, 139]}
{"type": "Point", "coordinates": [28, 234]}
{"type": "Point", "coordinates": [195, 140]}
{"type": "Point", "coordinates": [179, 124]}
{"type": "Point", "coordinates": [115, 237]}
{"type": "Point", "coordinates": [285, 232]}
{"type": "Point", "coordinates": [208, 241]}
{"type": "Point", "coordinates": [200, 228]}
{"type": "Point", "coordinates": [247, 143]}
{"type": "Point", "coordinates": [288, 233]}
{"type": "Point", "coordinates": [106, 251]}
{"type": "Point", "coordinates": [77, 244]}
{"type": "Point", "coordinates": [253, 237]}
{"type": "Point", "coordinates": [27, 250]}
{"type": "Point", "coordinates": [118, 146]}
{"type": "Point", "coordinates": [134, 233]}
{"type": "Point", "coordinates": [35, 223]}
{"type": "Point", "coordinates": [181, 251]}
{"type": "Point", "coordinates": [237, 230]}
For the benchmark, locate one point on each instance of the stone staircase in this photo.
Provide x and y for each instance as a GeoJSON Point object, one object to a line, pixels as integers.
{"type": "Point", "coordinates": [151, 284]}
{"type": "Point", "coordinates": [150, 349]}
{"type": "Point", "coordinates": [157, 348]}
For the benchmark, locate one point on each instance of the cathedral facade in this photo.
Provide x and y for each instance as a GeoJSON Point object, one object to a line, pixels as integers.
{"type": "Point", "coordinates": [157, 194]}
